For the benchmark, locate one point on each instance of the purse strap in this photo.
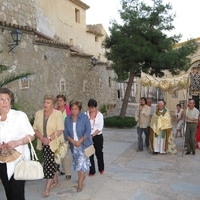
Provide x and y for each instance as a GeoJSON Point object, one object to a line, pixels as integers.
{"type": "Point", "coordinates": [33, 154]}
{"type": "Point", "coordinates": [56, 138]}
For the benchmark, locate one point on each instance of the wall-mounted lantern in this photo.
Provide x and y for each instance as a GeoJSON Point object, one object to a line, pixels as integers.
{"type": "Point", "coordinates": [93, 62]}
{"type": "Point", "coordinates": [16, 36]}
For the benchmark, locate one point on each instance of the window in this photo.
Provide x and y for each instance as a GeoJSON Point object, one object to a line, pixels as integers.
{"type": "Point", "coordinates": [71, 41]}
{"type": "Point", "coordinates": [96, 39]}
{"type": "Point", "coordinates": [77, 15]}
{"type": "Point", "coordinates": [109, 81]}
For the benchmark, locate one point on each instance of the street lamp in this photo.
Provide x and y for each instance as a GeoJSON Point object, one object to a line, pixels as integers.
{"type": "Point", "coordinates": [16, 36]}
{"type": "Point", "coordinates": [93, 61]}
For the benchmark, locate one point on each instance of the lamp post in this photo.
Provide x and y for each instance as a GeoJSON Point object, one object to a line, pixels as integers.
{"type": "Point", "coordinates": [16, 36]}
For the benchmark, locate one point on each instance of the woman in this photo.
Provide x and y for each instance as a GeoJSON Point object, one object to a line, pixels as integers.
{"type": "Point", "coordinates": [48, 125]}
{"type": "Point", "coordinates": [179, 120]}
{"type": "Point", "coordinates": [77, 132]}
{"type": "Point", "coordinates": [97, 122]}
{"type": "Point", "coordinates": [15, 129]}
{"type": "Point", "coordinates": [197, 136]}
{"type": "Point", "coordinates": [67, 161]}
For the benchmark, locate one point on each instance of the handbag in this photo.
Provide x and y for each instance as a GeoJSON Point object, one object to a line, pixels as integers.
{"type": "Point", "coordinates": [89, 151]}
{"type": "Point", "coordinates": [61, 150]}
{"type": "Point", "coordinates": [29, 169]}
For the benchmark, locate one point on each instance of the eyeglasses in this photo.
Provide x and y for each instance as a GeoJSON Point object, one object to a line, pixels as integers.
{"type": "Point", "coordinates": [5, 100]}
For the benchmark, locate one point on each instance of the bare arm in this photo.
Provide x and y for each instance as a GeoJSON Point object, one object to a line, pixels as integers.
{"type": "Point", "coordinates": [22, 141]}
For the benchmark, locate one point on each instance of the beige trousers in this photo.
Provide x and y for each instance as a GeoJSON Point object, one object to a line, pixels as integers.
{"type": "Point", "coordinates": [67, 163]}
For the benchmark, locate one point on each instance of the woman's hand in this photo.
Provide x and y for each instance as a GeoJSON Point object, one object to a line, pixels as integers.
{"type": "Point", "coordinates": [13, 143]}
{"type": "Point", "coordinates": [45, 141]}
{"type": "Point", "coordinates": [77, 143]}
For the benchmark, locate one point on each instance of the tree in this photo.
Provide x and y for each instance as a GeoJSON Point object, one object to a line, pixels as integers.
{"type": "Point", "coordinates": [141, 43]}
{"type": "Point", "coordinates": [5, 79]}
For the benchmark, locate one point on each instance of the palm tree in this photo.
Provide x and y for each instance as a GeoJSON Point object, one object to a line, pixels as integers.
{"type": "Point", "coordinates": [12, 77]}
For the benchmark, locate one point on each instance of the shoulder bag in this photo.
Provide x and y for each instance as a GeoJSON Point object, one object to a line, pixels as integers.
{"type": "Point", "coordinates": [29, 169]}
{"type": "Point", "coordinates": [89, 151]}
{"type": "Point", "coordinates": [61, 150]}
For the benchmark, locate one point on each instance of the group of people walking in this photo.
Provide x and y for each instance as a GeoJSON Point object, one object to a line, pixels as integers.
{"type": "Point", "coordinates": [55, 121]}
{"type": "Point", "coordinates": [157, 125]}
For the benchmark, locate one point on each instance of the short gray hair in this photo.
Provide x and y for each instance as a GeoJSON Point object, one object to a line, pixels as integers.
{"type": "Point", "coordinates": [50, 97]}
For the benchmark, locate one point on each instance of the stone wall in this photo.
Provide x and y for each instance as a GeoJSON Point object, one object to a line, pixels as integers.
{"type": "Point", "coordinates": [21, 12]}
{"type": "Point", "coordinates": [50, 64]}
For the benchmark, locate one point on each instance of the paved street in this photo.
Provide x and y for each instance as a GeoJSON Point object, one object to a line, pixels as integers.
{"type": "Point", "coordinates": [130, 175]}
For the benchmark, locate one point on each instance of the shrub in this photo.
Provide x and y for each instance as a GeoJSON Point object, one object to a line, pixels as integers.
{"type": "Point", "coordinates": [103, 109]}
{"type": "Point", "coordinates": [116, 121]}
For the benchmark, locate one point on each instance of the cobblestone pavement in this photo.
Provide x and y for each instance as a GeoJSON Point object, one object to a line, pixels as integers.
{"type": "Point", "coordinates": [130, 175]}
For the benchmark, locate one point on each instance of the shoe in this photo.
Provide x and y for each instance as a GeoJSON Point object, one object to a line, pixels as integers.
{"type": "Point", "coordinates": [46, 193]}
{"type": "Point", "coordinates": [54, 185]}
{"type": "Point", "coordinates": [187, 153]}
{"type": "Point", "coordinates": [80, 187]}
{"type": "Point", "coordinates": [68, 177]}
{"type": "Point", "coordinates": [193, 153]}
{"type": "Point", "coordinates": [101, 172]}
{"type": "Point", "coordinates": [138, 150]}
{"type": "Point", "coordinates": [91, 175]}
{"type": "Point", "coordinates": [61, 173]}
{"type": "Point", "coordinates": [155, 152]}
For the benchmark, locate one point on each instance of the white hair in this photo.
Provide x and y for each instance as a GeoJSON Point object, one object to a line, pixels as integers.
{"type": "Point", "coordinates": [161, 102]}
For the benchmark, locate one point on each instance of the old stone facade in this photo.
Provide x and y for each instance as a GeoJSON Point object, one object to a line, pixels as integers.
{"type": "Point", "coordinates": [57, 67]}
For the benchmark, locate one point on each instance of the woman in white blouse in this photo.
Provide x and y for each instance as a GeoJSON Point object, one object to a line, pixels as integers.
{"type": "Point", "coordinates": [15, 129]}
{"type": "Point", "coordinates": [97, 123]}
{"type": "Point", "coordinates": [179, 120]}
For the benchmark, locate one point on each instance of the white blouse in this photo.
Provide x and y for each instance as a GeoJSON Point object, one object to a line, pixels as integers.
{"type": "Point", "coordinates": [16, 127]}
{"type": "Point", "coordinates": [97, 123]}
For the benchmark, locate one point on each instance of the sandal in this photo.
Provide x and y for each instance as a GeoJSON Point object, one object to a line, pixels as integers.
{"type": "Point", "coordinates": [68, 177]}
{"type": "Point", "coordinates": [54, 185]}
{"type": "Point", "coordinates": [79, 188]}
{"type": "Point", "coordinates": [46, 193]}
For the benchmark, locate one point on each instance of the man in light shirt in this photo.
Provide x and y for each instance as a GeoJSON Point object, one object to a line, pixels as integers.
{"type": "Point", "coordinates": [153, 108]}
{"type": "Point", "coordinates": [142, 116]}
{"type": "Point", "coordinates": [191, 117]}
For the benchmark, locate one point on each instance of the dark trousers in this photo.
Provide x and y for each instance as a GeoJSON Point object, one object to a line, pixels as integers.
{"type": "Point", "coordinates": [140, 140]}
{"type": "Point", "coordinates": [98, 145]}
{"type": "Point", "coordinates": [190, 136]}
{"type": "Point", "coordinates": [14, 189]}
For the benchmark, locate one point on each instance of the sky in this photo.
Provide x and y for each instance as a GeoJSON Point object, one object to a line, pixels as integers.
{"type": "Point", "coordinates": [186, 21]}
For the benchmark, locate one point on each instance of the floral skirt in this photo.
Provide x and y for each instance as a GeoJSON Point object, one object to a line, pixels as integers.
{"type": "Point", "coordinates": [50, 167]}
{"type": "Point", "coordinates": [80, 161]}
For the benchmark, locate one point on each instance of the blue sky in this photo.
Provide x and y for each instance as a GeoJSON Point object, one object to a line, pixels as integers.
{"type": "Point", "coordinates": [186, 21]}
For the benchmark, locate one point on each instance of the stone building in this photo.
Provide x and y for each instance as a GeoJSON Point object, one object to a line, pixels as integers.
{"type": "Point", "coordinates": [57, 46]}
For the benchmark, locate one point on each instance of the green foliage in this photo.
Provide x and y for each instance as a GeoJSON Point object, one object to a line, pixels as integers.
{"type": "Point", "coordinates": [116, 121]}
{"type": "Point", "coordinates": [16, 106]}
{"type": "Point", "coordinates": [32, 119]}
{"type": "Point", "coordinates": [140, 42]}
{"type": "Point", "coordinates": [103, 108]}
{"type": "Point", "coordinates": [11, 76]}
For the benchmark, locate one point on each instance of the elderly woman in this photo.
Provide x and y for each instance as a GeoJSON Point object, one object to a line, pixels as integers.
{"type": "Point", "coordinates": [15, 129]}
{"type": "Point", "coordinates": [67, 161]}
{"type": "Point", "coordinates": [48, 125]}
{"type": "Point", "coordinates": [77, 132]}
{"type": "Point", "coordinates": [96, 121]}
